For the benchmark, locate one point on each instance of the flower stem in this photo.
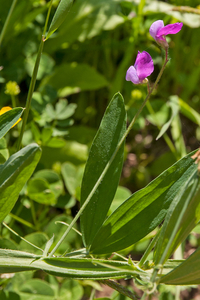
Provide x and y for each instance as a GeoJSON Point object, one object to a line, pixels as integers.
{"type": "Point", "coordinates": [14, 103]}
{"type": "Point", "coordinates": [111, 159]}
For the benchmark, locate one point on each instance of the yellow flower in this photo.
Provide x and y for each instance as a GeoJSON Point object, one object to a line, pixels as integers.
{"type": "Point", "coordinates": [4, 110]}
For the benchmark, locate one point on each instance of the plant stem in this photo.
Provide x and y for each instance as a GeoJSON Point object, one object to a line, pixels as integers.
{"type": "Point", "coordinates": [33, 214]}
{"type": "Point", "coordinates": [15, 233]}
{"type": "Point", "coordinates": [22, 221]}
{"type": "Point", "coordinates": [14, 104]}
{"type": "Point", "coordinates": [144, 296]}
{"type": "Point", "coordinates": [30, 92]}
{"type": "Point", "coordinates": [120, 288]}
{"type": "Point", "coordinates": [148, 250]}
{"type": "Point", "coordinates": [111, 159]}
{"type": "Point", "coordinates": [7, 21]}
{"type": "Point", "coordinates": [33, 80]}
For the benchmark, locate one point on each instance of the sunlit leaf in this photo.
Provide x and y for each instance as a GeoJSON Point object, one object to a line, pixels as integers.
{"type": "Point", "coordinates": [110, 132]}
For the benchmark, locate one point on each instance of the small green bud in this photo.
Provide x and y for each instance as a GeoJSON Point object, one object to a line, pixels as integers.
{"type": "Point", "coordinates": [12, 88]}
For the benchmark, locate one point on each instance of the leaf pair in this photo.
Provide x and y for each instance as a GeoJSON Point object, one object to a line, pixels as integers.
{"type": "Point", "coordinates": [145, 209]}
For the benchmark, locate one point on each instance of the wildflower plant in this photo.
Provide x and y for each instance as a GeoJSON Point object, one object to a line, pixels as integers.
{"type": "Point", "coordinates": [171, 199]}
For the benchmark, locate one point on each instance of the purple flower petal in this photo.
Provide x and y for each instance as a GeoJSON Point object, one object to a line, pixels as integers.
{"type": "Point", "coordinates": [169, 29]}
{"type": "Point", "coordinates": [142, 68]}
{"type": "Point", "coordinates": [144, 65]}
{"type": "Point", "coordinates": [155, 27]}
{"type": "Point", "coordinates": [131, 75]}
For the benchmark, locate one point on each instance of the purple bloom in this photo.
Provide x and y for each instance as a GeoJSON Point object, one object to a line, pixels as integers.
{"type": "Point", "coordinates": [142, 68]}
{"type": "Point", "coordinates": [158, 31]}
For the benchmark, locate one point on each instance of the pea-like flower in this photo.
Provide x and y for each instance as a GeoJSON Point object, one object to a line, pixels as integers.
{"type": "Point", "coordinates": [158, 31]}
{"type": "Point", "coordinates": [142, 68]}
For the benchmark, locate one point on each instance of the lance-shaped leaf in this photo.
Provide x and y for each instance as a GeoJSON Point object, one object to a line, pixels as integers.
{"type": "Point", "coordinates": [77, 268]}
{"type": "Point", "coordinates": [8, 120]}
{"type": "Point", "coordinates": [144, 210]}
{"type": "Point", "coordinates": [186, 273]}
{"type": "Point", "coordinates": [59, 16]}
{"type": "Point", "coordinates": [14, 174]}
{"type": "Point", "coordinates": [111, 130]}
{"type": "Point", "coordinates": [181, 218]}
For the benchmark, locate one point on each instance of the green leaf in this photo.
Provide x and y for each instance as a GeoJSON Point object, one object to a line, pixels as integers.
{"type": "Point", "coordinates": [36, 289]}
{"type": "Point", "coordinates": [88, 268]}
{"type": "Point", "coordinates": [176, 132]}
{"type": "Point", "coordinates": [8, 119]}
{"type": "Point", "coordinates": [181, 218]}
{"type": "Point", "coordinates": [80, 77]}
{"type": "Point", "coordinates": [72, 176]}
{"type": "Point", "coordinates": [4, 153]}
{"type": "Point", "coordinates": [59, 16]}
{"type": "Point", "coordinates": [53, 179]}
{"type": "Point", "coordinates": [144, 210]}
{"type": "Point", "coordinates": [121, 195]}
{"type": "Point", "coordinates": [111, 130]}
{"type": "Point", "coordinates": [14, 174]}
{"type": "Point", "coordinates": [186, 110]}
{"type": "Point", "coordinates": [39, 191]}
{"type": "Point", "coordinates": [71, 290]}
{"type": "Point", "coordinates": [48, 246]}
{"type": "Point", "coordinates": [175, 110]}
{"type": "Point", "coordinates": [46, 65]}
{"type": "Point", "coordinates": [77, 268]}
{"type": "Point", "coordinates": [57, 229]}
{"type": "Point", "coordinates": [64, 110]}
{"type": "Point", "coordinates": [186, 273]}
{"type": "Point", "coordinates": [72, 151]}
{"type": "Point", "coordinates": [86, 20]}
{"type": "Point", "coordinates": [36, 238]}
{"type": "Point", "coordinates": [55, 142]}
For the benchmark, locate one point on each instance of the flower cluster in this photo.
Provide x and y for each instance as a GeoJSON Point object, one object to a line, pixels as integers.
{"type": "Point", "coordinates": [143, 66]}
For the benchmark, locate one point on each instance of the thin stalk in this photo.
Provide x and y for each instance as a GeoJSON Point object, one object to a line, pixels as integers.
{"type": "Point", "coordinates": [47, 18]}
{"type": "Point", "coordinates": [22, 221]}
{"type": "Point", "coordinates": [92, 295]}
{"type": "Point", "coordinates": [14, 103]}
{"type": "Point", "coordinates": [33, 80]}
{"type": "Point", "coordinates": [144, 296]}
{"type": "Point", "coordinates": [15, 233]}
{"type": "Point", "coordinates": [33, 213]}
{"type": "Point", "coordinates": [7, 21]}
{"type": "Point", "coordinates": [148, 250]}
{"type": "Point", "coordinates": [120, 288]}
{"type": "Point", "coordinates": [178, 254]}
{"type": "Point", "coordinates": [111, 160]}
{"type": "Point", "coordinates": [18, 211]}
{"type": "Point", "coordinates": [30, 92]}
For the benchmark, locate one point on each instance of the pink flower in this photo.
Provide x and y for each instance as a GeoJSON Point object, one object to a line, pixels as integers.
{"type": "Point", "coordinates": [158, 31]}
{"type": "Point", "coordinates": [142, 68]}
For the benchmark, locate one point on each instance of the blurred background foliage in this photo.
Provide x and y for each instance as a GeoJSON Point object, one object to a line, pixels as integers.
{"type": "Point", "coordinates": [83, 64]}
